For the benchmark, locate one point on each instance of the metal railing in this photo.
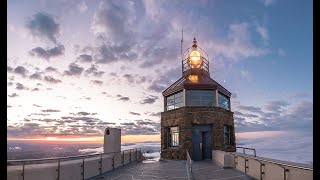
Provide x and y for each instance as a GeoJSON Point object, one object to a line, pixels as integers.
{"type": "Point", "coordinates": [25, 162]}
{"type": "Point", "coordinates": [244, 150]}
{"type": "Point", "coordinates": [262, 162]}
{"type": "Point", "coordinates": [189, 166]}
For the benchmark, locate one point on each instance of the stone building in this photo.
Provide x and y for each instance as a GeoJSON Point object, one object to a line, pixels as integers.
{"type": "Point", "coordinates": [197, 114]}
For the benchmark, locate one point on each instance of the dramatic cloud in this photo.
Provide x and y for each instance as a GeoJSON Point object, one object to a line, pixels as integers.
{"type": "Point", "coordinates": [122, 98]}
{"type": "Point", "coordinates": [13, 95]}
{"type": "Point", "coordinates": [43, 26]}
{"type": "Point", "coordinates": [51, 69]}
{"type": "Point", "coordinates": [85, 58]}
{"type": "Point", "coordinates": [149, 100]}
{"type": "Point", "coordinates": [21, 70]}
{"type": "Point", "coordinates": [52, 80]}
{"type": "Point", "coordinates": [35, 76]}
{"type": "Point", "coordinates": [134, 113]}
{"type": "Point", "coordinates": [74, 70]}
{"type": "Point", "coordinates": [135, 79]}
{"type": "Point", "coordinates": [93, 70]}
{"type": "Point", "coordinates": [47, 53]}
{"type": "Point", "coordinates": [114, 17]}
{"type": "Point", "coordinates": [98, 82]}
{"type": "Point", "coordinates": [50, 110]}
{"type": "Point", "coordinates": [20, 86]}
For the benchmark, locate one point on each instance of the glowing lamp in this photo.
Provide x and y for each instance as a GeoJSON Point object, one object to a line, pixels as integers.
{"type": "Point", "coordinates": [195, 58]}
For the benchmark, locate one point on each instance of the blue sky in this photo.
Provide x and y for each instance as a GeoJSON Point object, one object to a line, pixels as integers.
{"type": "Point", "coordinates": [75, 67]}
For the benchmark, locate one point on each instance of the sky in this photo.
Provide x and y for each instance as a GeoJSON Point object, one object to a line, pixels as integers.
{"type": "Point", "coordinates": [76, 67]}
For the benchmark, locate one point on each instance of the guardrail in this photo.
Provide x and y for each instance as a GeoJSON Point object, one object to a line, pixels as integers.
{"type": "Point", "coordinates": [96, 164]}
{"type": "Point", "coordinates": [244, 150]}
{"type": "Point", "coordinates": [270, 171]}
{"type": "Point", "coordinates": [189, 166]}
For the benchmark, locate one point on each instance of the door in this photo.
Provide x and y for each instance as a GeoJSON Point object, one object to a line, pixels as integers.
{"type": "Point", "coordinates": [206, 145]}
{"type": "Point", "coordinates": [201, 142]}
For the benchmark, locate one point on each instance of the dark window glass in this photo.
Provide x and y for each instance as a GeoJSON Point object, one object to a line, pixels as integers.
{"type": "Point", "coordinates": [175, 101]}
{"type": "Point", "coordinates": [223, 101]}
{"type": "Point", "coordinates": [227, 136]}
{"type": "Point", "coordinates": [200, 98]}
{"type": "Point", "coordinates": [173, 137]}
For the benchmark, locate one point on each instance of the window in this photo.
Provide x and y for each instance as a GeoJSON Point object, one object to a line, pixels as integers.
{"type": "Point", "coordinates": [174, 101]}
{"type": "Point", "coordinates": [227, 135]}
{"type": "Point", "coordinates": [200, 98]}
{"type": "Point", "coordinates": [173, 140]}
{"type": "Point", "coordinates": [223, 101]}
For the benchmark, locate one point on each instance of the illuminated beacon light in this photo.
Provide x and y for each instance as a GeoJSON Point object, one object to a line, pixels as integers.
{"type": "Point", "coordinates": [193, 78]}
{"type": "Point", "coordinates": [195, 58]}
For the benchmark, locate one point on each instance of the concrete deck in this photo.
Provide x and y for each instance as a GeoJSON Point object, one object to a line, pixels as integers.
{"type": "Point", "coordinates": [169, 169]}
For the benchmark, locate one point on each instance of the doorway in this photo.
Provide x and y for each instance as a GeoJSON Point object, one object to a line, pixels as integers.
{"type": "Point", "coordinates": [201, 142]}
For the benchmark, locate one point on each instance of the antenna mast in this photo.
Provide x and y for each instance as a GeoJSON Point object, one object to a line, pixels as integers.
{"type": "Point", "coordinates": [181, 45]}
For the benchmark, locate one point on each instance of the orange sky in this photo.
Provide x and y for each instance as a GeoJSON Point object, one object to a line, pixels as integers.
{"type": "Point", "coordinates": [139, 138]}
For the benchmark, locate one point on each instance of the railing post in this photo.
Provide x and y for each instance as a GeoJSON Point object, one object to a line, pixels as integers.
{"type": "Point", "coordinates": [100, 162]}
{"type": "Point", "coordinates": [113, 162]}
{"type": "Point", "coordinates": [130, 155]}
{"type": "Point", "coordinates": [58, 170]}
{"type": "Point", "coordinates": [136, 155]}
{"type": "Point", "coordinates": [245, 162]}
{"type": "Point", "coordinates": [23, 170]}
{"type": "Point", "coordinates": [244, 151]}
{"type": "Point", "coordinates": [82, 168]}
{"type": "Point", "coordinates": [123, 157]}
{"type": "Point", "coordinates": [261, 173]}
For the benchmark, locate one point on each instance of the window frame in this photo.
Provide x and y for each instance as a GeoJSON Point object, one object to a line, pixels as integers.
{"type": "Point", "coordinates": [228, 100]}
{"type": "Point", "coordinates": [229, 135]}
{"type": "Point", "coordinates": [201, 102]}
{"type": "Point", "coordinates": [177, 138]}
{"type": "Point", "coordinates": [176, 104]}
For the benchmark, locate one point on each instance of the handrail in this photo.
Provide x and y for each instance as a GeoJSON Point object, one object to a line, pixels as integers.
{"type": "Point", "coordinates": [278, 163]}
{"type": "Point", "coordinates": [81, 157]}
{"type": "Point", "coordinates": [68, 157]}
{"type": "Point", "coordinates": [189, 166]}
{"type": "Point", "coordinates": [244, 148]}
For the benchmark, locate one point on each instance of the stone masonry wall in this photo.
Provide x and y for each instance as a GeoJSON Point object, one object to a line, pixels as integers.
{"type": "Point", "coordinates": [185, 117]}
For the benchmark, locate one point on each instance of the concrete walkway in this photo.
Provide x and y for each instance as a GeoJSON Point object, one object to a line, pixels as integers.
{"type": "Point", "coordinates": [169, 169]}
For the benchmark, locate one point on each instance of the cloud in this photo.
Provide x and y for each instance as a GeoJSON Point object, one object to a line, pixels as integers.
{"type": "Point", "coordinates": [74, 70]}
{"type": "Point", "coordinates": [93, 70]}
{"type": "Point", "coordinates": [35, 89]}
{"type": "Point", "coordinates": [263, 32]}
{"type": "Point", "coordinates": [268, 2]}
{"type": "Point", "coordinates": [276, 106]}
{"type": "Point", "coordinates": [82, 7]}
{"type": "Point", "coordinates": [85, 58]}
{"type": "Point", "coordinates": [114, 17]}
{"type": "Point", "coordinates": [134, 113]}
{"type": "Point", "coordinates": [149, 99]}
{"type": "Point", "coordinates": [245, 74]}
{"type": "Point", "coordinates": [47, 53]}
{"type": "Point", "coordinates": [50, 110]}
{"type": "Point", "coordinates": [98, 82]}
{"type": "Point", "coordinates": [52, 80]}
{"type": "Point", "coordinates": [35, 76]}
{"type": "Point", "coordinates": [13, 95]}
{"type": "Point", "coordinates": [122, 98]}
{"type": "Point", "coordinates": [50, 69]}
{"type": "Point", "coordinates": [20, 86]}
{"type": "Point", "coordinates": [43, 26]}
{"type": "Point", "coordinates": [21, 70]}
{"type": "Point", "coordinates": [9, 69]}
{"type": "Point", "coordinates": [156, 87]}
